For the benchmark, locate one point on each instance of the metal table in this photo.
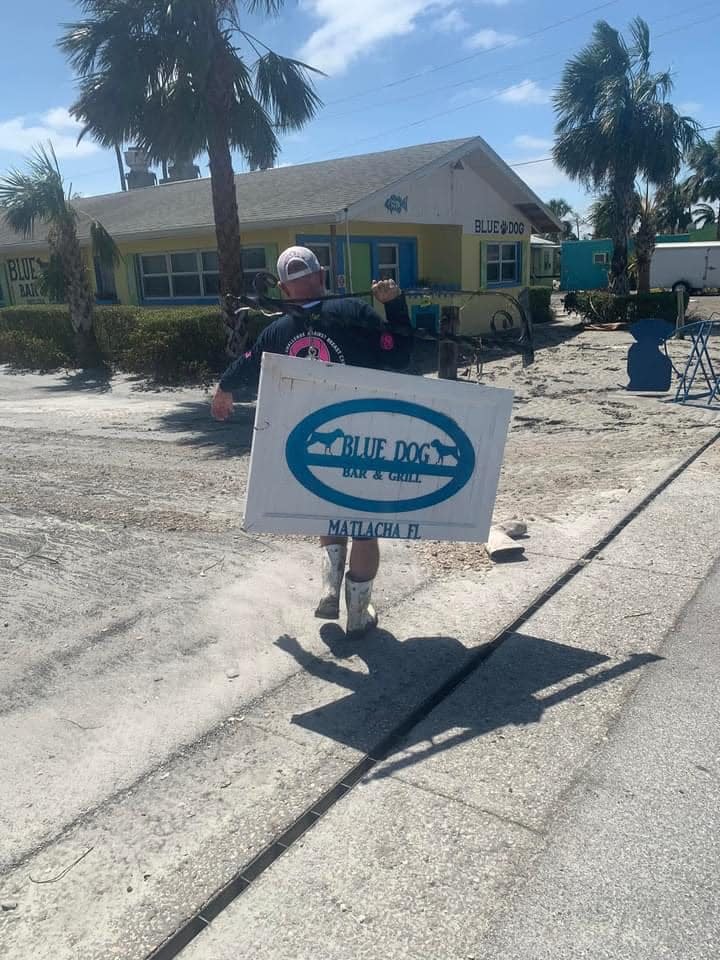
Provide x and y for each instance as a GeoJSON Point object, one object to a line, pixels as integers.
{"type": "Point", "coordinates": [699, 369]}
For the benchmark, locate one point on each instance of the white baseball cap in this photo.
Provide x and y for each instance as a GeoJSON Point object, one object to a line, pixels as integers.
{"type": "Point", "coordinates": [296, 262]}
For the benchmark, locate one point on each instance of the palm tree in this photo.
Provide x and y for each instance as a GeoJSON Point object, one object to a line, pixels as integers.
{"type": "Point", "coordinates": [602, 214]}
{"type": "Point", "coordinates": [615, 125]}
{"type": "Point", "coordinates": [561, 208]}
{"type": "Point", "coordinates": [168, 76]}
{"type": "Point", "coordinates": [673, 209]}
{"type": "Point", "coordinates": [40, 195]}
{"type": "Point", "coordinates": [704, 182]}
{"type": "Point", "coordinates": [704, 214]}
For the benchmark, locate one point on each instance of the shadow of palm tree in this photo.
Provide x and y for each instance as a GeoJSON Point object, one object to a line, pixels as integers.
{"type": "Point", "coordinates": [403, 699]}
{"type": "Point", "coordinates": [98, 380]}
{"type": "Point", "coordinates": [193, 419]}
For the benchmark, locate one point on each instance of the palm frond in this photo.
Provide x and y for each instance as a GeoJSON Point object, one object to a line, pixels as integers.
{"type": "Point", "coordinates": [269, 7]}
{"type": "Point", "coordinates": [37, 194]}
{"type": "Point", "coordinates": [640, 33]}
{"type": "Point", "coordinates": [103, 245]}
{"type": "Point", "coordinates": [283, 89]}
{"type": "Point", "coordinates": [703, 214]}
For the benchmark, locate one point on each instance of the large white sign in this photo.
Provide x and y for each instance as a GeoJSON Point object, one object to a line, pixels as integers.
{"type": "Point", "coordinates": [348, 451]}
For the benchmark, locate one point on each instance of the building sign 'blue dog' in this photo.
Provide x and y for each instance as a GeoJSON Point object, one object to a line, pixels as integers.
{"type": "Point", "coordinates": [326, 448]}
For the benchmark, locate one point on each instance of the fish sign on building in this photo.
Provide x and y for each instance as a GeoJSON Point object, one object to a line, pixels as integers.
{"type": "Point", "coordinates": [346, 451]}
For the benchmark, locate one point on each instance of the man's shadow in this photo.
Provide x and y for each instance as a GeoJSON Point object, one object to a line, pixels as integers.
{"type": "Point", "coordinates": [403, 676]}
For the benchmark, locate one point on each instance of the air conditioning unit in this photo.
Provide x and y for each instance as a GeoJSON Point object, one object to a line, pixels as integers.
{"type": "Point", "coordinates": [138, 160]}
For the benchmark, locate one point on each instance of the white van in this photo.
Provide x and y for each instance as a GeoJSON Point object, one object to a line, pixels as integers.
{"type": "Point", "coordinates": [692, 266]}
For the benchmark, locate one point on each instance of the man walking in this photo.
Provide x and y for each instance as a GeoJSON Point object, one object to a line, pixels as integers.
{"type": "Point", "coordinates": [339, 331]}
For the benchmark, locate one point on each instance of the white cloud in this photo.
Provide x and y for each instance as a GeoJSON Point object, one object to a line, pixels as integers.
{"type": "Point", "coordinates": [544, 177]}
{"type": "Point", "coordinates": [526, 142]}
{"type": "Point", "coordinates": [350, 30]}
{"type": "Point", "coordinates": [59, 118]}
{"type": "Point", "coordinates": [527, 91]}
{"type": "Point", "coordinates": [452, 22]}
{"type": "Point", "coordinates": [487, 39]}
{"type": "Point", "coordinates": [20, 135]}
{"type": "Point", "coordinates": [495, 3]}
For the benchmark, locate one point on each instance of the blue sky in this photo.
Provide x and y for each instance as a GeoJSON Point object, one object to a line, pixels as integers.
{"type": "Point", "coordinates": [393, 76]}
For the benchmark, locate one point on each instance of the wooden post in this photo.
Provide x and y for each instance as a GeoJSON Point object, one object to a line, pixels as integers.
{"type": "Point", "coordinates": [680, 322]}
{"type": "Point", "coordinates": [333, 258]}
{"type": "Point", "coordinates": [448, 349]}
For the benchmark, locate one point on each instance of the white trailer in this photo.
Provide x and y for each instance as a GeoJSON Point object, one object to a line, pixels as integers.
{"type": "Point", "coordinates": [693, 266]}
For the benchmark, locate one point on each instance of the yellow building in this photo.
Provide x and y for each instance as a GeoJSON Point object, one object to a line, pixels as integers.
{"type": "Point", "coordinates": [450, 215]}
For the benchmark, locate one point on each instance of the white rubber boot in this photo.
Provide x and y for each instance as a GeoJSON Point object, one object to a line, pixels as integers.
{"type": "Point", "coordinates": [361, 615]}
{"type": "Point", "coordinates": [333, 570]}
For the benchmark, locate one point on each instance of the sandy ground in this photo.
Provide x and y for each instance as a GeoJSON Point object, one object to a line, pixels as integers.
{"type": "Point", "coordinates": [124, 570]}
{"type": "Point", "coordinates": [87, 464]}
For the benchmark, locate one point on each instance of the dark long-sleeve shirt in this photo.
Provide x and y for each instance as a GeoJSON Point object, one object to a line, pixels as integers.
{"type": "Point", "coordinates": [339, 331]}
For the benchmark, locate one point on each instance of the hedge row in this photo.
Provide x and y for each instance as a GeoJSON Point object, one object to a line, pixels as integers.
{"type": "Point", "coordinates": [599, 306]}
{"type": "Point", "coordinates": [168, 345]}
{"type": "Point", "coordinates": [172, 345]}
{"type": "Point", "coordinates": [540, 308]}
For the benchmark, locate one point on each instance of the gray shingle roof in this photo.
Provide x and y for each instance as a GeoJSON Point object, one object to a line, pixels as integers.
{"type": "Point", "coordinates": [307, 191]}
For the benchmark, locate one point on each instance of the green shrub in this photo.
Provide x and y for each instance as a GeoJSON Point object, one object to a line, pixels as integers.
{"type": "Point", "coordinates": [540, 308]}
{"type": "Point", "coordinates": [49, 322]}
{"type": "Point", "coordinates": [173, 345]}
{"type": "Point", "coordinates": [599, 306]}
{"type": "Point", "coordinates": [113, 326]}
{"type": "Point", "coordinates": [28, 352]}
{"type": "Point", "coordinates": [165, 344]}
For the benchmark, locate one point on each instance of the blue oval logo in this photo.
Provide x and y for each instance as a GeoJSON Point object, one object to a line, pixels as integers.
{"type": "Point", "coordinates": [354, 458]}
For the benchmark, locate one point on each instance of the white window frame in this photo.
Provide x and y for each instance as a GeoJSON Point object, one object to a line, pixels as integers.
{"type": "Point", "coordinates": [390, 266]}
{"type": "Point", "coordinates": [601, 259]}
{"type": "Point", "coordinates": [500, 261]}
{"type": "Point", "coordinates": [198, 272]}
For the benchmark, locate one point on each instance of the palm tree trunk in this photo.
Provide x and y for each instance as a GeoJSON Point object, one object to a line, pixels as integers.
{"type": "Point", "coordinates": [121, 168]}
{"type": "Point", "coordinates": [644, 249]}
{"type": "Point", "coordinates": [225, 209]}
{"type": "Point", "coordinates": [618, 281]}
{"type": "Point", "coordinates": [81, 303]}
{"type": "Point", "coordinates": [643, 266]}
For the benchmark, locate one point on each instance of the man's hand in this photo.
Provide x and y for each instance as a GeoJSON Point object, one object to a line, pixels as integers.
{"type": "Point", "coordinates": [222, 404]}
{"type": "Point", "coordinates": [385, 290]}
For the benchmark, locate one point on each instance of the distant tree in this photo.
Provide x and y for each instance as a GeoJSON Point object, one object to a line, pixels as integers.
{"type": "Point", "coordinates": [615, 126]}
{"type": "Point", "coordinates": [562, 209]}
{"type": "Point", "coordinates": [674, 213]}
{"type": "Point", "coordinates": [703, 215]}
{"type": "Point", "coordinates": [704, 181]}
{"type": "Point", "coordinates": [40, 195]}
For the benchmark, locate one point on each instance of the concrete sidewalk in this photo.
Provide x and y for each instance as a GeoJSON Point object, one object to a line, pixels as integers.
{"type": "Point", "coordinates": [564, 802]}
{"type": "Point", "coordinates": [165, 717]}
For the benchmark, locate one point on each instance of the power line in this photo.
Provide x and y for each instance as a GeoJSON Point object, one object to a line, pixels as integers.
{"type": "Point", "coordinates": [444, 113]}
{"type": "Point", "coordinates": [471, 56]}
{"type": "Point", "coordinates": [527, 163]}
{"type": "Point", "coordinates": [686, 26]}
{"type": "Point", "coordinates": [435, 90]}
